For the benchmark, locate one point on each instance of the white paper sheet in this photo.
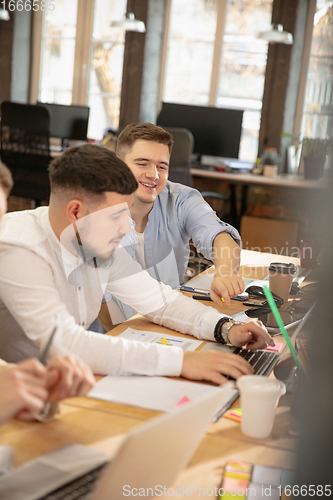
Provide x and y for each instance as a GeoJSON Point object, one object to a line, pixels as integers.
{"type": "Point", "coordinates": [154, 393]}
{"type": "Point", "coordinates": [158, 338]}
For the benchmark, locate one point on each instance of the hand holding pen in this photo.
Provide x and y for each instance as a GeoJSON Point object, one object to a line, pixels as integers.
{"type": "Point", "coordinates": [66, 375]}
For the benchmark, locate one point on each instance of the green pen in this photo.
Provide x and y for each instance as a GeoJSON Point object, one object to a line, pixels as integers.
{"type": "Point", "coordinates": [279, 321]}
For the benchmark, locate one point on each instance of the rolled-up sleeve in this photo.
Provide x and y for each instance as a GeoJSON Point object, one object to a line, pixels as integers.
{"type": "Point", "coordinates": [30, 296]}
{"type": "Point", "coordinates": [202, 224]}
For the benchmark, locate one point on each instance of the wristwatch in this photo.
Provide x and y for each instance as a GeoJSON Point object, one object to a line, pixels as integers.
{"type": "Point", "coordinates": [222, 328]}
{"type": "Point", "coordinates": [226, 328]}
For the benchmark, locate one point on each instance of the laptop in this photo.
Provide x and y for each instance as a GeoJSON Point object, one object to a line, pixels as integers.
{"type": "Point", "coordinates": [151, 457]}
{"type": "Point", "coordinates": [263, 362]}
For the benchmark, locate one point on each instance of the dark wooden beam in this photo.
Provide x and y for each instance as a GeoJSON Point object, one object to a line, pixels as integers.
{"type": "Point", "coordinates": [277, 77]}
{"type": "Point", "coordinates": [133, 67]}
{"type": "Point", "coordinates": [6, 47]}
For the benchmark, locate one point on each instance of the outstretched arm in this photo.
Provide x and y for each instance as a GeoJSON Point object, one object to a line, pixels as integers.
{"type": "Point", "coordinates": [226, 283]}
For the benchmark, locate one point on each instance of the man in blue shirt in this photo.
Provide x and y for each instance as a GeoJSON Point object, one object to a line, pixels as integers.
{"type": "Point", "coordinates": [166, 215]}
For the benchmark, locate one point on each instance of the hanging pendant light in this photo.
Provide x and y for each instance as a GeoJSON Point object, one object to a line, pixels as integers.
{"type": "Point", "coordinates": [276, 35]}
{"type": "Point", "coordinates": [129, 23]}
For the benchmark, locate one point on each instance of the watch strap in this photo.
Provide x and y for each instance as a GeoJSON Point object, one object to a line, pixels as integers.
{"type": "Point", "coordinates": [218, 329]}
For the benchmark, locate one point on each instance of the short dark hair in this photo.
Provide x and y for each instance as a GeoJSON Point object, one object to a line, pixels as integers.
{"type": "Point", "coordinates": [92, 169]}
{"type": "Point", "coordinates": [6, 179]}
{"type": "Point", "coordinates": [142, 131]}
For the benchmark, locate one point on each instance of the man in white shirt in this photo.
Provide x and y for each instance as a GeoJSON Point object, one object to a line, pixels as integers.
{"type": "Point", "coordinates": [60, 260]}
{"type": "Point", "coordinates": [24, 388]}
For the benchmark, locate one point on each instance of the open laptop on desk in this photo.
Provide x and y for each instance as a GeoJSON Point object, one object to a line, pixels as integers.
{"type": "Point", "coordinates": [262, 361]}
{"type": "Point", "coordinates": [151, 457]}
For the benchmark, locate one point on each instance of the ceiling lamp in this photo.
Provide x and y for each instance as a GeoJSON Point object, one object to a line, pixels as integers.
{"type": "Point", "coordinates": [129, 23]}
{"type": "Point", "coordinates": [276, 35]}
{"type": "Point", "coordinates": [4, 15]}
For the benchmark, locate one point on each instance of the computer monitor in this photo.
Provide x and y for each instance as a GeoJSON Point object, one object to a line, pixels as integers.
{"type": "Point", "coordinates": [216, 131]}
{"type": "Point", "coordinates": [68, 122]}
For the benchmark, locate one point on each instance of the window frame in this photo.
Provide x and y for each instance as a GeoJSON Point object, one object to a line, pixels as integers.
{"type": "Point", "coordinates": [84, 24]}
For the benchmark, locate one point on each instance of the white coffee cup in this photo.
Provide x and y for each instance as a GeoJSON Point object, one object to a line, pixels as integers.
{"type": "Point", "coordinates": [259, 399]}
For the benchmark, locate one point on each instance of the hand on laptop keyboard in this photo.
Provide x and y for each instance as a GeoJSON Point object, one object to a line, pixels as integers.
{"type": "Point", "coordinates": [252, 334]}
{"type": "Point", "coordinates": [214, 366]}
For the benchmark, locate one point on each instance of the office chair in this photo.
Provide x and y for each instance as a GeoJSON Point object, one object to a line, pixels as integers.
{"type": "Point", "coordinates": [25, 148]}
{"type": "Point", "coordinates": [180, 160]}
{"type": "Point", "coordinates": [179, 171]}
{"type": "Point", "coordinates": [180, 164]}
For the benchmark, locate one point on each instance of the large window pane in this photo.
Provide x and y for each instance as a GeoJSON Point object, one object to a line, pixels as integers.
{"type": "Point", "coordinates": [106, 66]}
{"type": "Point", "coordinates": [318, 107]}
{"type": "Point", "coordinates": [243, 66]}
{"type": "Point", "coordinates": [190, 51]}
{"type": "Point", "coordinates": [58, 50]}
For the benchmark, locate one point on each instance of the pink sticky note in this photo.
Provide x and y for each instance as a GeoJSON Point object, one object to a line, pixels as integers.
{"type": "Point", "coordinates": [183, 401]}
{"type": "Point", "coordinates": [276, 348]}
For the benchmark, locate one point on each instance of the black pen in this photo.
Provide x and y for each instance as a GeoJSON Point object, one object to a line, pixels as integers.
{"type": "Point", "coordinates": [44, 354]}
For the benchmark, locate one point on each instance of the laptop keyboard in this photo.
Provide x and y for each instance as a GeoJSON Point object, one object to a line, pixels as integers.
{"type": "Point", "coordinates": [261, 361]}
{"type": "Point", "coordinates": [80, 487]}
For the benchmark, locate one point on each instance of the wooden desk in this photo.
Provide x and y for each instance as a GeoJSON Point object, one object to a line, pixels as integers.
{"type": "Point", "coordinates": [284, 180]}
{"type": "Point", "coordinates": [280, 438]}
{"type": "Point", "coordinates": [102, 425]}
{"type": "Point", "coordinates": [104, 432]}
{"type": "Point", "coordinates": [245, 180]}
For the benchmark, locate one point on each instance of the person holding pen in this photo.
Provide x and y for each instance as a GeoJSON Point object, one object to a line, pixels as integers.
{"type": "Point", "coordinates": [27, 386]}
{"type": "Point", "coordinates": [61, 259]}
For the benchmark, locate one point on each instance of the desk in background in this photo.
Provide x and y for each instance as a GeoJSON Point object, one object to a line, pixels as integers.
{"type": "Point", "coordinates": [246, 180]}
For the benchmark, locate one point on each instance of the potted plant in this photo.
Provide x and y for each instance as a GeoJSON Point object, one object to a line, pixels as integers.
{"type": "Point", "coordinates": [314, 152]}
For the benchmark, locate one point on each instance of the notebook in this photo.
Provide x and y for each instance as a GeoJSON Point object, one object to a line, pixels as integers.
{"type": "Point", "coordinates": [151, 456]}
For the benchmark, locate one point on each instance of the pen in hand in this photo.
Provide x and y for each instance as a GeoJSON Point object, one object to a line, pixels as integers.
{"type": "Point", "coordinates": [44, 354]}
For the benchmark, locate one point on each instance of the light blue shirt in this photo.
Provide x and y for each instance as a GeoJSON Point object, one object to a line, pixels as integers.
{"type": "Point", "coordinates": [179, 214]}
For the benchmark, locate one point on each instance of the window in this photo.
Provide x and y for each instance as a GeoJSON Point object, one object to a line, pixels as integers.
{"type": "Point", "coordinates": [58, 52]}
{"type": "Point", "coordinates": [81, 59]}
{"type": "Point", "coordinates": [190, 51]}
{"type": "Point", "coordinates": [317, 119]}
{"type": "Point", "coordinates": [243, 66]}
{"type": "Point", "coordinates": [106, 66]}
{"type": "Point", "coordinates": [209, 65]}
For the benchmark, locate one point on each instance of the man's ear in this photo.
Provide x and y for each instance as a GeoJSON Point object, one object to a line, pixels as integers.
{"type": "Point", "coordinates": [75, 210]}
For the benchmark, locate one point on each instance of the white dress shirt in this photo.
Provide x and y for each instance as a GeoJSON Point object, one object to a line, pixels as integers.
{"type": "Point", "coordinates": [38, 280]}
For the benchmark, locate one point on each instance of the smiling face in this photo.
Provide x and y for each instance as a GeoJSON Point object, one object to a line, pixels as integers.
{"type": "Point", "coordinates": [149, 163]}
